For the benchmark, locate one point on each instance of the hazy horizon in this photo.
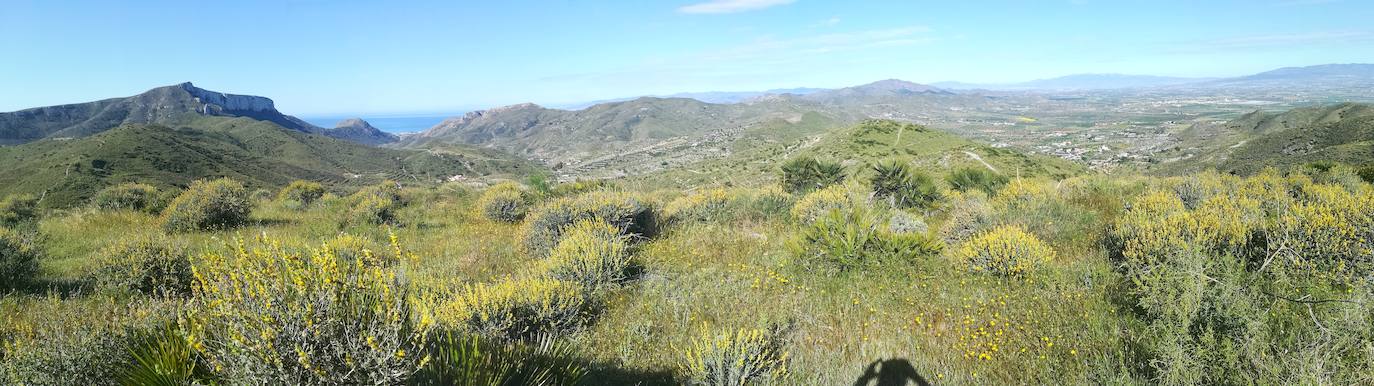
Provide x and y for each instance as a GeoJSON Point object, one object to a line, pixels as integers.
{"type": "Point", "coordinates": [328, 59]}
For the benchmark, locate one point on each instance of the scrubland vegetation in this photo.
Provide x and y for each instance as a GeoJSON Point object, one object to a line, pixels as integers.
{"type": "Point", "coordinates": [964, 275]}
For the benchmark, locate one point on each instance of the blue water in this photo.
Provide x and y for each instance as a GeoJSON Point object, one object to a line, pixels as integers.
{"type": "Point", "coordinates": [390, 124]}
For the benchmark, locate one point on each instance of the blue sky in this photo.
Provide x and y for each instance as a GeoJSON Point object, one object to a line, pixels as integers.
{"type": "Point", "coordinates": [366, 57]}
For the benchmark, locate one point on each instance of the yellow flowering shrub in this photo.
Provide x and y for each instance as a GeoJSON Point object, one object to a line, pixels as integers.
{"type": "Point", "coordinates": [514, 308]}
{"type": "Point", "coordinates": [1020, 191]}
{"type": "Point", "coordinates": [300, 194]}
{"type": "Point", "coordinates": [740, 357]}
{"type": "Point", "coordinates": [268, 314]}
{"type": "Point", "coordinates": [1005, 250]}
{"type": "Point", "coordinates": [699, 206]}
{"type": "Point", "coordinates": [816, 204]}
{"type": "Point", "coordinates": [591, 253]}
{"type": "Point", "coordinates": [503, 202]}
{"type": "Point", "coordinates": [208, 205]}
{"type": "Point", "coordinates": [545, 225]}
{"type": "Point", "coordinates": [1215, 262]}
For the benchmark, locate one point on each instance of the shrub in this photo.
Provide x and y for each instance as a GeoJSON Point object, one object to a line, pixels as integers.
{"type": "Point", "coordinates": [301, 194]}
{"type": "Point", "coordinates": [162, 358]}
{"type": "Point", "coordinates": [699, 206]}
{"type": "Point", "coordinates": [152, 265]}
{"type": "Point", "coordinates": [852, 237]}
{"type": "Point", "coordinates": [742, 357]}
{"type": "Point", "coordinates": [769, 201]}
{"type": "Point", "coordinates": [804, 174]}
{"type": "Point", "coordinates": [903, 222]}
{"type": "Point", "coordinates": [18, 260]}
{"type": "Point", "coordinates": [130, 196]}
{"type": "Point", "coordinates": [208, 205]}
{"type": "Point", "coordinates": [902, 187]}
{"type": "Point", "coordinates": [578, 187]}
{"type": "Point", "coordinates": [376, 204]}
{"type": "Point", "coordinates": [503, 202]}
{"type": "Point", "coordinates": [969, 213]}
{"type": "Point", "coordinates": [971, 178]}
{"type": "Point", "coordinates": [461, 360]}
{"type": "Point", "coordinates": [546, 223]}
{"type": "Point", "coordinates": [818, 203]}
{"type": "Point", "coordinates": [591, 253]}
{"type": "Point", "coordinates": [269, 315]}
{"type": "Point", "coordinates": [52, 341]}
{"type": "Point", "coordinates": [1006, 251]}
{"type": "Point", "coordinates": [350, 248]}
{"type": "Point", "coordinates": [515, 308]}
{"type": "Point", "coordinates": [17, 209]}
{"type": "Point", "coordinates": [1366, 173]}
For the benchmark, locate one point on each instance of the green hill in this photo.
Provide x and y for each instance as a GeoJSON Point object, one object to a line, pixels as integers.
{"type": "Point", "coordinates": [65, 172]}
{"type": "Point", "coordinates": [754, 159]}
{"type": "Point", "coordinates": [1341, 133]}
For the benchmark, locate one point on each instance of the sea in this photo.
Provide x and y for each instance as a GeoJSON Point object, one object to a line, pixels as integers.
{"type": "Point", "coordinates": [388, 123]}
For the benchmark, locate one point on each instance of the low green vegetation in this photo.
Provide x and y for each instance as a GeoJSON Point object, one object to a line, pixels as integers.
{"type": "Point", "coordinates": [1206, 278]}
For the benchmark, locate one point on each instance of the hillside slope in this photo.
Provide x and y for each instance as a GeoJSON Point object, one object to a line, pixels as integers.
{"type": "Point", "coordinates": [755, 158]}
{"type": "Point", "coordinates": [1342, 132]}
{"type": "Point", "coordinates": [65, 172]}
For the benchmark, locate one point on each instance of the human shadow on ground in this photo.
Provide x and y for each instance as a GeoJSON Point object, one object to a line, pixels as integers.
{"type": "Point", "coordinates": [890, 372]}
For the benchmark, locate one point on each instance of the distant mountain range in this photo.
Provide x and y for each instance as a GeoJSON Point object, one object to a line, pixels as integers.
{"type": "Point", "coordinates": [1079, 82]}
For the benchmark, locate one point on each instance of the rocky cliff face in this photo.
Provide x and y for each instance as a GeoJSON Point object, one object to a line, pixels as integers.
{"type": "Point", "coordinates": [218, 103]}
{"type": "Point", "coordinates": [169, 105]}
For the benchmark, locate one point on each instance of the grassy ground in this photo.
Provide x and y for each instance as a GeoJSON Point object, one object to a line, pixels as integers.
{"type": "Point", "coordinates": [1065, 323]}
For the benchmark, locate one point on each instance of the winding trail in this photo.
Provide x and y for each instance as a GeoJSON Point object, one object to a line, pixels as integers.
{"type": "Point", "coordinates": [980, 160]}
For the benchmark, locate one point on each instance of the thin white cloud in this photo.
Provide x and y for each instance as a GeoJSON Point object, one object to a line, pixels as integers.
{"type": "Point", "coordinates": [831, 22]}
{"type": "Point", "coordinates": [730, 6]}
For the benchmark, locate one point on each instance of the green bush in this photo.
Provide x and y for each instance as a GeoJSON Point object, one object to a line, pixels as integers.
{"type": "Point", "coordinates": [903, 187]}
{"type": "Point", "coordinates": [376, 204]}
{"type": "Point", "coordinates": [18, 260]}
{"type": "Point", "coordinates": [742, 357]}
{"type": "Point", "coordinates": [976, 178]}
{"type": "Point", "coordinates": [470, 360]}
{"type": "Point", "coordinates": [698, 206]}
{"type": "Point", "coordinates": [130, 196]}
{"type": "Point", "coordinates": [208, 205]}
{"type": "Point", "coordinates": [1366, 173]}
{"type": "Point", "coordinates": [52, 341]}
{"type": "Point", "coordinates": [545, 225]}
{"type": "Point", "coordinates": [18, 209]}
{"type": "Point", "coordinates": [969, 213]}
{"type": "Point", "coordinates": [269, 314]}
{"type": "Point", "coordinates": [804, 174]}
{"type": "Point", "coordinates": [152, 265]}
{"type": "Point", "coordinates": [816, 204]}
{"type": "Point", "coordinates": [504, 202]}
{"type": "Point", "coordinates": [1006, 251]}
{"type": "Point", "coordinates": [301, 194]}
{"type": "Point", "coordinates": [591, 253]}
